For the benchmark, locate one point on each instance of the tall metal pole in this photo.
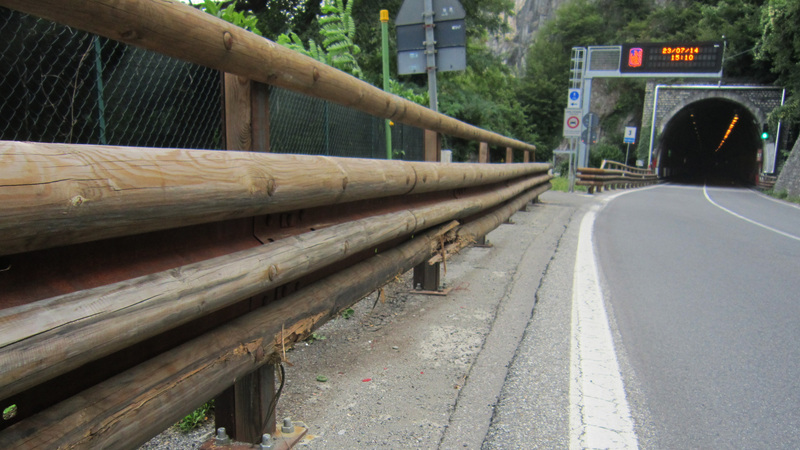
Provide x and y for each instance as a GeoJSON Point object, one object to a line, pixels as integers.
{"type": "Point", "coordinates": [385, 51]}
{"type": "Point", "coordinates": [430, 53]}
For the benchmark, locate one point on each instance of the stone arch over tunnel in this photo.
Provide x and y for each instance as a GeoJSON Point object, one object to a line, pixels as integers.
{"type": "Point", "coordinates": [714, 139]}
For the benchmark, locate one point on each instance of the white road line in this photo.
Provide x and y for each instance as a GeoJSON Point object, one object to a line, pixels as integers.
{"type": "Point", "coordinates": [599, 412]}
{"type": "Point", "coordinates": [766, 227]}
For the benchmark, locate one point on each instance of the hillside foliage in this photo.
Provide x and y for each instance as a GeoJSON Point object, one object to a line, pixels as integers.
{"type": "Point", "coordinates": [762, 46]}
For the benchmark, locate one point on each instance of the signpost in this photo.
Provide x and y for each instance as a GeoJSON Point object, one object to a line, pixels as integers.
{"type": "Point", "coordinates": [425, 29]}
{"type": "Point", "coordinates": [630, 138]}
{"type": "Point", "coordinates": [574, 98]}
{"type": "Point", "coordinates": [572, 122]}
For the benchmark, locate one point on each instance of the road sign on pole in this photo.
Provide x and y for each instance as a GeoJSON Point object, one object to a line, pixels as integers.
{"type": "Point", "coordinates": [630, 135]}
{"type": "Point", "coordinates": [574, 100]}
{"type": "Point", "coordinates": [572, 122]}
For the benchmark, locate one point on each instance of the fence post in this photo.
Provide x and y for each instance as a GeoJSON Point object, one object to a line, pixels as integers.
{"type": "Point", "coordinates": [426, 276]}
{"type": "Point", "coordinates": [526, 156]}
{"type": "Point", "coordinates": [483, 157]}
{"type": "Point", "coordinates": [244, 407]}
{"type": "Point", "coordinates": [483, 153]}
{"type": "Point", "coordinates": [509, 155]}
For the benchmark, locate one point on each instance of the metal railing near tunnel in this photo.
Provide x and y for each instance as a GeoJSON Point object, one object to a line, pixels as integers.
{"type": "Point", "coordinates": [614, 175]}
{"type": "Point", "coordinates": [143, 281]}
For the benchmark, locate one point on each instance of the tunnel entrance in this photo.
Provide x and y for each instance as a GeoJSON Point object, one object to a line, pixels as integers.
{"type": "Point", "coordinates": [713, 141]}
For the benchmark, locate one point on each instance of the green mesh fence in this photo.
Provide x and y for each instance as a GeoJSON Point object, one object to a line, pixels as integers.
{"type": "Point", "coordinates": [307, 125]}
{"type": "Point", "coordinates": [61, 85]}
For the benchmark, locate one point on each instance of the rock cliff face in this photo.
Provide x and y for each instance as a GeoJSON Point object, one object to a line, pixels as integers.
{"type": "Point", "coordinates": [530, 16]}
{"type": "Point", "coordinates": [789, 179]}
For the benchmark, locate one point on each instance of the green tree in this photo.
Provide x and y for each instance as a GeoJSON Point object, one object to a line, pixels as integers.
{"type": "Point", "coordinates": [779, 45]}
{"type": "Point", "coordinates": [229, 13]}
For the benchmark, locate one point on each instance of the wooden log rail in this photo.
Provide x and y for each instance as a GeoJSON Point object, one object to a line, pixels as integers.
{"type": "Point", "coordinates": [136, 283]}
{"type": "Point", "coordinates": [181, 31]}
{"type": "Point", "coordinates": [72, 194]}
{"type": "Point", "coordinates": [64, 195]}
{"type": "Point", "coordinates": [614, 175]}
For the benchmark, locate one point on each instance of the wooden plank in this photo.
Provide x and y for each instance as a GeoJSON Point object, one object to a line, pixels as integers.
{"type": "Point", "coordinates": [57, 194]}
{"type": "Point", "coordinates": [433, 147]}
{"type": "Point", "coordinates": [259, 122]}
{"type": "Point", "coordinates": [181, 31]}
{"type": "Point", "coordinates": [238, 113]}
{"type": "Point", "coordinates": [509, 155]}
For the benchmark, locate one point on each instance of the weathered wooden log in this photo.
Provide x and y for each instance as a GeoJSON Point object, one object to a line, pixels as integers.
{"type": "Point", "coordinates": [56, 194]}
{"type": "Point", "coordinates": [183, 32]}
{"type": "Point", "coordinates": [128, 409]}
{"type": "Point", "coordinates": [466, 234]}
{"type": "Point", "coordinates": [47, 338]}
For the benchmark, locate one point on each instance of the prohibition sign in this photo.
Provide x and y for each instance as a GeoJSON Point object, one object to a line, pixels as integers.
{"type": "Point", "coordinates": [573, 122]}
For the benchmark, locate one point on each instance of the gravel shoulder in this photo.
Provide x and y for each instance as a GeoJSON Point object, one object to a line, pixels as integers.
{"type": "Point", "coordinates": [415, 371]}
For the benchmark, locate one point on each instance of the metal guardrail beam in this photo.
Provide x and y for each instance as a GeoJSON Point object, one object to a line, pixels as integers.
{"type": "Point", "coordinates": [612, 174]}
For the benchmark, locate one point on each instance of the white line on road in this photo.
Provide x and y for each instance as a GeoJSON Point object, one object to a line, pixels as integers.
{"type": "Point", "coordinates": [599, 412]}
{"type": "Point", "coordinates": [766, 227]}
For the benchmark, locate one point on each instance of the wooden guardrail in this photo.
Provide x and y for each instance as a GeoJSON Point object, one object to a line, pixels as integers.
{"type": "Point", "coordinates": [614, 175]}
{"type": "Point", "coordinates": [137, 283]}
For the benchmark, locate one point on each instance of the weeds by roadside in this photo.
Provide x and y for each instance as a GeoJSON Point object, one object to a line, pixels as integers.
{"type": "Point", "coordinates": [783, 195]}
{"type": "Point", "coordinates": [196, 417]}
{"type": "Point", "coordinates": [561, 184]}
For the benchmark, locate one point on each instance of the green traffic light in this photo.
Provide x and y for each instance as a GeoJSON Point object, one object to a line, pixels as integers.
{"type": "Point", "coordinates": [765, 135]}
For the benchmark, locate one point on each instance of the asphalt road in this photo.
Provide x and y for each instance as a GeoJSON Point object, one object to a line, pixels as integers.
{"type": "Point", "coordinates": [703, 293]}
{"type": "Point", "coordinates": [663, 317]}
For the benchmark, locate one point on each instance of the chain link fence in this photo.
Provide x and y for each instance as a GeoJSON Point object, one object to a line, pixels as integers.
{"type": "Point", "coordinates": [61, 85]}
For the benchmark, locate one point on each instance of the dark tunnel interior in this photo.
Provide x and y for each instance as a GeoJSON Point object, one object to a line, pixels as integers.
{"type": "Point", "coordinates": [713, 141]}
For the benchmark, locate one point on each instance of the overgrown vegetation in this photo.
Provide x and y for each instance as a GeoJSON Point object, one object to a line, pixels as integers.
{"type": "Point", "coordinates": [196, 417]}
{"type": "Point", "coordinates": [762, 39]}
{"type": "Point", "coordinates": [784, 195]}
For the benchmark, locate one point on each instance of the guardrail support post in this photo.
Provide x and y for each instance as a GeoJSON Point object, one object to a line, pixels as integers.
{"type": "Point", "coordinates": [246, 114]}
{"type": "Point", "coordinates": [243, 408]}
{"type": "Point", "coordinates": [526, 157]}
{"type": "Point", "coordinates": [509, 155]}
{"type": "Point", "coordinates": [483, 153]}
{"type": "Point", "coordinates": [483, 157]}
{"type": "Point", "coordinates": [426, 276]}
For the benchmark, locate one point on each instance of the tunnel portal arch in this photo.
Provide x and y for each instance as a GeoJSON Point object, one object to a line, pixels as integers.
{"type": "Point", "coordinates": [691, 122]}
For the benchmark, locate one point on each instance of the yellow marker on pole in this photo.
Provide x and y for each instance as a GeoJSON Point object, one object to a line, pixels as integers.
{"type": "Point", "coordinates": [385, 50]}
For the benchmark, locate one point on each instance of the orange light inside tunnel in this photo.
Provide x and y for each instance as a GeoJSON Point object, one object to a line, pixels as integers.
{"type": "Point", "coordinates": [728, 131]}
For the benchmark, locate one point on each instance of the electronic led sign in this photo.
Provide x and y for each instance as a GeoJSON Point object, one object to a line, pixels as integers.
{"type": "Point", "coordinates": [684, 57]}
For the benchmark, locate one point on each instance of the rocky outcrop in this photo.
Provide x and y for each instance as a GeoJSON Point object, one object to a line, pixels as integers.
{"type": "Point", "coordinates": [789, 179]}
{"type": "Point", "coordinates": [530, 16]}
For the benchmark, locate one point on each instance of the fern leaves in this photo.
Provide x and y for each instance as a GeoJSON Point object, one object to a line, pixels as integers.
{"type": "Point", "coordinates": [338, 30]}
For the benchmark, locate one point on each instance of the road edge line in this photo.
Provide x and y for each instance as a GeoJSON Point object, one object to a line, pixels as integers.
{"type": "Point", "coordinates": [599, 414]}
